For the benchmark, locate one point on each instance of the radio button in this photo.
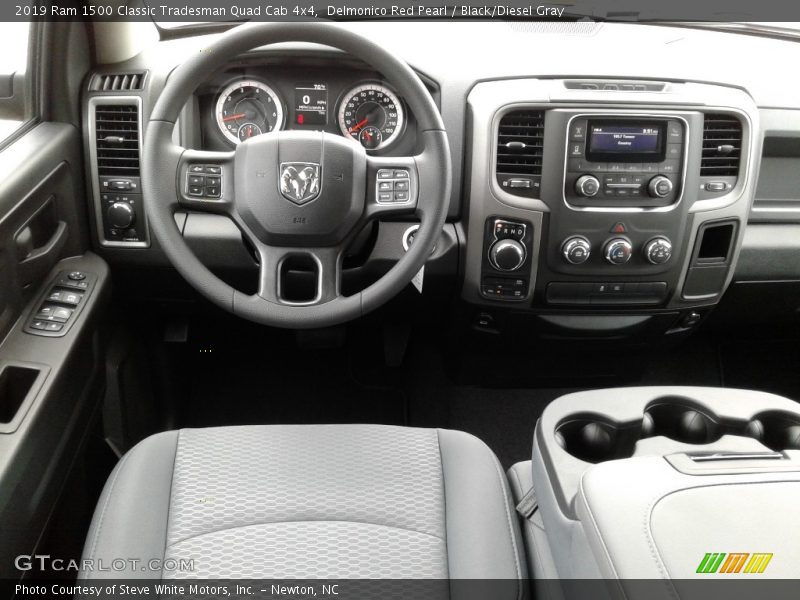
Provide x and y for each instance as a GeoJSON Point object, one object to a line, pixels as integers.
{"type": "Point", "coordinates": [576, 149]}
{"type": "Point", "coordinates": [670, 166]}
{"type": "Point", "coordinates": [616, 167]}
{"type": "Point", "coordinates": [587, 185]}
{"type": "Point", "coordinates": [649, 168]}
{"type": "Point", "coordinates": [577, 131]}
{"type": "Point", "coordinates": [674, 132]}
{"type": "Point", "coordinates": [674, 151]}
{"type": "Point", "coordinates": [659, 187]}
{"type": "Point", "coordinates": [632, 167]}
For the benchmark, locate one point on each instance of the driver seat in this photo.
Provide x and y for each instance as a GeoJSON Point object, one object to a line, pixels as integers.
{"type": "Point", "coordinates": [308, 501]}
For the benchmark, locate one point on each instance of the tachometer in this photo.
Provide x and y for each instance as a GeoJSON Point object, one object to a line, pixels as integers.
{"type": "Point", "coordinates": [372, 115]}
{"type": "Point", "coordinates": [248, 108]}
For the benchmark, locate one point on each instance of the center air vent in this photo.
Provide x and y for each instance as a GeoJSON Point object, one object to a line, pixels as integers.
{"type": "Point", "coordinates": [520, 145]}
{"type": "Point", "coordinates": [722, 146]}
{"type": "Point", "coordinates": [117, 140]}
{"type": "Point", "coordinates": [117, 82]}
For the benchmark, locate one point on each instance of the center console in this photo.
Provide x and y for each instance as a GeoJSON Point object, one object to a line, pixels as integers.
{"type": "Point", "coordinates": [630, 197]}
{"type": "Point", "coordinates": [666, 484]}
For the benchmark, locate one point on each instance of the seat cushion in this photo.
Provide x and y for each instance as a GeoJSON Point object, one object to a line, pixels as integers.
{"type": "Point", "coordinates": [308, 501]}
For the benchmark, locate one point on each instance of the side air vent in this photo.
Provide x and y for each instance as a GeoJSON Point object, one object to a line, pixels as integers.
{"type": "Point", "coordinates": [117, 139]}
{"type": "Point", "coordinates": [722, 146]}
{"type": "Point", "coordinates": [118, 82]}
{"type": "Point", "coordinates": [520, 145]}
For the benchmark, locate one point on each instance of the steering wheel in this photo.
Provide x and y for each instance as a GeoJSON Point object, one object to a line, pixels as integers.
{"type": "Point", "coordinates": [295, 194]}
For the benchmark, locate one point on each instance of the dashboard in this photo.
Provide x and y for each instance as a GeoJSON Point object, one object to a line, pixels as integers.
{"type": "Point", "coordinates": [590, 194]}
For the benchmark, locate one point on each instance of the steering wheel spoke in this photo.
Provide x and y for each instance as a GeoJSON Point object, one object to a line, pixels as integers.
{"type": "Point", "coordinates": [299, 276]}
{"type": "Point", "coordinates": [392, 186]}
{"type": "Point", "coordinates": [205, 181]}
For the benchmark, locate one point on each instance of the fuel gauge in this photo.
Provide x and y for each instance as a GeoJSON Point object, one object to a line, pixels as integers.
{"type": "Point", "coordinates": [248, 130]}
{"type": "Point", "coordinates": [370, 137]}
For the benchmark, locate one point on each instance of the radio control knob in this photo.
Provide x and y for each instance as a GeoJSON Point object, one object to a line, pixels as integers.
{"type": "Point", "coordinates": [576, 250]}
{"type": "Point", "coordinates": [659, 186]}
{"type": "Point", "coordinates": [658, 250]}
{"type": "Point", "coordinates": [587, 185]}
{"type": "Point", "coordinates": [120, 215]}
{"type": "Point", "coordinates": [618, 251]}
{"type": "Point", "coordinates": [507, 255]}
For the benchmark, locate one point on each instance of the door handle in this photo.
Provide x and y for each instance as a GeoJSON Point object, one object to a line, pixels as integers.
{"type": "Point", "coordinates": [37, 251]}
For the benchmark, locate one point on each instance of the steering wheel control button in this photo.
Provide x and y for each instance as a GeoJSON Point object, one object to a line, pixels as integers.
{"type": "Point", "coordinates": [587, 186]}
{"type": "Point", "coordinates": [618, 251]}
{"type": "Point", "coordinates": [204, 181]}
{"type": "Point", "coordinates": [576, 250]}
{"type": "Point", "coordinates": [393, 185]}
{"type": "Point", "coordinates": [658, 251]}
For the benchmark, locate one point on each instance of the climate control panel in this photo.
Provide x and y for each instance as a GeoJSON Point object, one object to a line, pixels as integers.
{"type": "Point", "coordinates": [577, 249]}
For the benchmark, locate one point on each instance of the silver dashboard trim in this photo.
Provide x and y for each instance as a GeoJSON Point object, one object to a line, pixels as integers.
{"type": "Point", "coordinates": [98, 206]}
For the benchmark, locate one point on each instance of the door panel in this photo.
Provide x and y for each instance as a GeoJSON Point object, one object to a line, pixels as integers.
{"type": "Point", "coordinates": [42, 212]}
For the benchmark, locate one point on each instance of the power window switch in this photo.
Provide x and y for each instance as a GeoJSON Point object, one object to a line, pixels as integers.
{"type": "Point", "coordinates": [61, 314]}
{"type": "Point", "coordinates": [53, 326]}
{"type": "Point", "coordinates": [45, 312]}
{"type": "Point", "coordinates": [39, 325]}
{"type": "Point", "coordinates": [65, 297]}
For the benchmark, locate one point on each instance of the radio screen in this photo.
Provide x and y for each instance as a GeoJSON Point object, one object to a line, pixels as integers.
{"type": "Point", "coordinates": [625, 141]}
{"type": "Point", "coordinates": [311, 103]}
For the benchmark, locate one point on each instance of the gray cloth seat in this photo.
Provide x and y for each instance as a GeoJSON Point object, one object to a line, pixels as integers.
{"type": "Point", "coordinates": [309, 501]}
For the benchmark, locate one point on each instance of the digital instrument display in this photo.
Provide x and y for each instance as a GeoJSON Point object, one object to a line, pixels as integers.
{"type": "Point", "coordinates": [311, 103]}
{"type": "Point", "coordinates": [625, 141]}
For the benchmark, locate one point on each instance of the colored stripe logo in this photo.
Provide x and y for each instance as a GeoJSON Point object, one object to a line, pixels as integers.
{"type": "Point", "coordinates": [734, 562]}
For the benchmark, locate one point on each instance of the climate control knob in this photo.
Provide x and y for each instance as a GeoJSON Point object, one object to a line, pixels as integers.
{"type": "Point", "coordinates": [618, 251]}
{"type": "Point", "coordinates": [587, 185]}
{"type": "Point", "coordinates": [121, 215]}
{"type": "Point", "coordinates": [658, 250]}
{"type": "Point", "coordinates": [659, 186]}
{"type": "Point", "coordinates": [507, 255]}
{"type": "Point", "coordinates": [576, 250]}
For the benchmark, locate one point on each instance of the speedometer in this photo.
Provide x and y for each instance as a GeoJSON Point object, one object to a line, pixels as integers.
{"type": "Point", "coordinates": [372, 115]}
{"type": "Point", "coordinates": [248, 108]}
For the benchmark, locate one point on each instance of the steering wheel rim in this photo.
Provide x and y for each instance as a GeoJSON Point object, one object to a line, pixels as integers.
{"type": "Point", "coordinates": [162, 162]}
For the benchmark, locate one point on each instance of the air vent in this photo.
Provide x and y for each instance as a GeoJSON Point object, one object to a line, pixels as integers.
{"type": "Point", "coordinates": [520, 144]}
{"type": "Point", "coordinates": [117, 139]}
{"type": "Point", "coordinates": [722, 146]}
{"type": "Point", "coordinates": [118, 82]}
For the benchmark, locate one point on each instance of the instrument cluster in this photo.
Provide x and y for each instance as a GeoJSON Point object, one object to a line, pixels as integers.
{"type": "Point", "coordinates": [251, 100]}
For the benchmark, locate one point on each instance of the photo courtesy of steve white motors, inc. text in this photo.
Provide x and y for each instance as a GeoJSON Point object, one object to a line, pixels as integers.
{"type": "Point", "coordinates": [256, 11]}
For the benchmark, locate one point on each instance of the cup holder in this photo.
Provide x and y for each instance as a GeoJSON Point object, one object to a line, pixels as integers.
{"type": "Point", "coordinates": [777, 430]}
{"type": "Point", "coordinates": [680, 421]}
{"type": "Point", "coordinates": [592, 439]}
{"type": "Point", "coordinates": [595, 438]}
